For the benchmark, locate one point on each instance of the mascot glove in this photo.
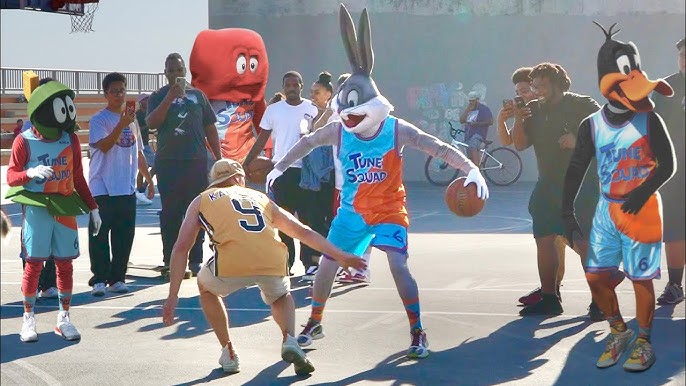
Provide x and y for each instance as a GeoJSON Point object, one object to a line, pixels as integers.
{"type": "Point", "coordinates": [478, 180]}
{"type": "Point", "coordinates": [40, 171]}
{"type": "Point", "coordinates": [97, 221]}
{"type": "Point", "coordinates": [571, 227]}
{"type": "Point", "coordinates": [271, 177]}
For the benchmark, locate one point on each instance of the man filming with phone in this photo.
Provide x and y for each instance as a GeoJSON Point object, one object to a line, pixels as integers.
{"type": "Point", "coordinates": [184, 120]}
{"type": "Point", "coordinates": [476, 118]}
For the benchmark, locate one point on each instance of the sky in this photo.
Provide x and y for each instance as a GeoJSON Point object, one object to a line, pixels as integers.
{"type": "Point", "coordinates": [130, 35]}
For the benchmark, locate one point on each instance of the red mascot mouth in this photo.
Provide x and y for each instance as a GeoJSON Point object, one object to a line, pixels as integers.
{"type": "Point", "coordinates": [353, 120]}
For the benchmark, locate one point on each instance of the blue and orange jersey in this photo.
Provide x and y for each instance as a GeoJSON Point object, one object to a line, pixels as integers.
{"type": "Point", "coordinates": [372, 173]}
{"type": "Point", "coordinates": [625, 159]}
{"type": "Point", "coordinates": [55, 153]}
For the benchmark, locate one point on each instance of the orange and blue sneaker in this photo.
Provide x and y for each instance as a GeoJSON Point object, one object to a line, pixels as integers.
{"type": "Point", "coordinates": [614, 348]}
{"type": "Point", "coordinates": [419, 348]}
{"type": "Point", "coordinates": [642, 356]}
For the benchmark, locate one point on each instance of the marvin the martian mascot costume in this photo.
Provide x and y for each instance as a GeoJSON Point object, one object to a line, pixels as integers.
{"type": "Point", "coordinates": [46, 177]}
{"type": "Point", "coordinates": [635, 158]}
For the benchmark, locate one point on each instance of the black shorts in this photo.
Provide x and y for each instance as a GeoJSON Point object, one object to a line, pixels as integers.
{"type": "Point", "coordinates": [545, 208]}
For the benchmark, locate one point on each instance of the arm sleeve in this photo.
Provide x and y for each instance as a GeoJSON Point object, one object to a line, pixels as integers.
{"type": "Point", "coordinates": [80, 184]}
{"type": "Point", "coordinates": [410, 135]}
{"type": "Point", "coordinates": [16, 175]}
{"type": "Point", "coordinates": [327, 135]}
{"type": "Point", "coordinates": [663, 150]}
{"type": "Point", "coordinates": [581, 158]}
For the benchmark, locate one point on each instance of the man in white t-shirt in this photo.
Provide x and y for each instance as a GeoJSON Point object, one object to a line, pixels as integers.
{"type": "Point", "coordinates": [116, 156]}
{"type": "Point", "coordinates": [286, 121]}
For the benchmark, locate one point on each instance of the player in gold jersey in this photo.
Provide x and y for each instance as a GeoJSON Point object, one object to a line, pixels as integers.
{"type": "Point", "coordinates": [241, 225]}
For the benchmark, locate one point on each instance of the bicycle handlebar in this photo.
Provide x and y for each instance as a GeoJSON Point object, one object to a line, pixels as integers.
{"type": "Point", "coordinates": [453, 131]}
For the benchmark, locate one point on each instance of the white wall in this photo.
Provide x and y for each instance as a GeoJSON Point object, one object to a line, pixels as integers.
{"type": "Point", "coordinates": [130, 35]}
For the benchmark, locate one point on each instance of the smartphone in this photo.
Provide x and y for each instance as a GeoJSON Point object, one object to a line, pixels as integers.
{"type": "Point", "coordinates": [519, 102]}
{"type": "Point", "coordinates": [182, 82]}
{"type": "Point", "coordinates": [506, 102]}
{"type": "Point", "coordinates": [130, 106]}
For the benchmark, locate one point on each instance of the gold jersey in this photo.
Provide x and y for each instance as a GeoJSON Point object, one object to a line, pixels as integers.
{"type": "Point", "coordinates": [239, 223]}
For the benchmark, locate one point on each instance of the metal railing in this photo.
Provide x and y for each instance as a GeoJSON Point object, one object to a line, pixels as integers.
{"type": "Point", "coordinates": [81, 81]}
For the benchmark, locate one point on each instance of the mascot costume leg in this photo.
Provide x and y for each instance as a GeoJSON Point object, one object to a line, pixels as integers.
{"type": "Point", "coordinates": [635, 158]}
{"type": "Point", "coordinates": [46, 177]}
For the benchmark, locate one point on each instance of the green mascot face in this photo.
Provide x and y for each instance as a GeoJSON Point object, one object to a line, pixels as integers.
{"type": "Point", "coordinates": [52, 110]}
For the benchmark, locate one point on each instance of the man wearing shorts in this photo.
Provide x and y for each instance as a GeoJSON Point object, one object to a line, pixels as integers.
{"type": "Point", "coordinates": [242, 224]}
{"type": "Point", "coordinates": [635, 158]}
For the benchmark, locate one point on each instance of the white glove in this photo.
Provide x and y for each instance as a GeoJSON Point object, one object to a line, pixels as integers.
{"type": "Point", "coordinates": [40, 171]}
{"type": "Point", "coordinates": [273, 175]}
{"type": "Point", "coordinates": [97, 221]}
{"type": "Point", "coordinates": [478, 180]}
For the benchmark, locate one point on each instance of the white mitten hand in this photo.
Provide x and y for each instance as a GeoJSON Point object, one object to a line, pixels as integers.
{"type": "Point", "coordinates": [273, 175]}
{"type": "Point", "coordinates": [97, 221]}
{"type": "Point", "coordinates": [40, 171]}
{"type": "Point", "coordinates": [481, 188]}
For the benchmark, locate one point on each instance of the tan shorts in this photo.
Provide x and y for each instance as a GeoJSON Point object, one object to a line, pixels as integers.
{"type": "Point", "coordinates": [271, 287]}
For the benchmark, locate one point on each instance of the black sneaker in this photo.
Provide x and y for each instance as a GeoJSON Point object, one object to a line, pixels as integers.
{"type": "Point", "coordinates": [673, 294]}
{"type": "Point", "coordinates": [595, 313]}
{"type": "Point", "coordinates": [548, 305]}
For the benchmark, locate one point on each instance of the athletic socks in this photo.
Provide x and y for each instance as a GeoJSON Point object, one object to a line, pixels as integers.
{"type": "Point", "coordinates": [412, 310]}
{"type": "Point", "coordinates": [644, 332]}
{"type": "Point", "coordinates": [617, 324]}
{"type": "Point", "coordinates": [317, 309]}
{"type": "Point", "coordinates": [675, 275]}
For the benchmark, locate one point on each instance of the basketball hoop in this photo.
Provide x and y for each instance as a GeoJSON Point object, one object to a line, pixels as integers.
{"type": "Point", "coordinates": [81, 13]}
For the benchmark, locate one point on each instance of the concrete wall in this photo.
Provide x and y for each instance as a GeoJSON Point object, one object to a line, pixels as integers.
{"type": "Point", "coordinates": [430, 54]}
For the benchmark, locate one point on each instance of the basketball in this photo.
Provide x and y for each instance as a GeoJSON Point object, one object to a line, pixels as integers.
{"type": "Point", "coordinates": [258, 169]}
{"type": "Point", "coordinates": [462, 200]}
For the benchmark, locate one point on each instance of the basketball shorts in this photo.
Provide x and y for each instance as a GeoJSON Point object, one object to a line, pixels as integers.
{"type": "Point", "coordinates": [352, 234]}
{"type": "Point", "coordinates": [633, 240]}
{"type": "Point", "coordinates": [271, 287]}
{"type": "Point", "coordinates": [45, 236]}
{"type": "Point", "coordinates": [545, 208]}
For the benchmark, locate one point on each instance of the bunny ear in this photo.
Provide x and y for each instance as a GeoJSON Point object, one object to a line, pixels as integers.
{"type": "Point", "coordinates": [364, 37]}
{"type": "Point", "coordinates": [350, 39]}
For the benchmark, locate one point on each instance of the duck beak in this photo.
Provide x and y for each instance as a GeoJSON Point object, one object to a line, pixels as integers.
{"type": "Point", "coordinates": [633, 90]}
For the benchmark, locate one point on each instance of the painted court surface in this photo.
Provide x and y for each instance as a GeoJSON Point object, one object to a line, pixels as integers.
{"type": "Point", "coordinates": [470, 273]}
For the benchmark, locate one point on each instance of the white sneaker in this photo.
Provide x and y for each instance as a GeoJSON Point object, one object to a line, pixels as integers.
{"type": "Point", "coordinates": [98, 289]}
{"type": "Point", "coordinates": [229, 360]}
{"type": "Point", "coordinates": [28, 329]}
{"type": "Point", "coordinates": [292, 353]}
{"type": "Point", "coordinates": [118, 288]}
{"type": "Point", "coordinates": [50, 293]}
{"type": "Point", "coordinates": [142, 199]}
{"type": "Point", "coordinates": [64, 328]}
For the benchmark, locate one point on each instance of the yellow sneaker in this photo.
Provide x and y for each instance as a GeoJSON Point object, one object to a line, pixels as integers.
{"type": "Point", "coordinates": [642, 356]}
{"type": "Point", "coordinates": [614, 348]}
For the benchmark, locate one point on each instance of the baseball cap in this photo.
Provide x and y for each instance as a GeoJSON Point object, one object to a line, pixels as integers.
{"type": "Point", "coordinates": [224, 169]}
{"type": "Point", "coordinates": [473, 95]}
{"type": "Point", "coordinates": [142, 97]}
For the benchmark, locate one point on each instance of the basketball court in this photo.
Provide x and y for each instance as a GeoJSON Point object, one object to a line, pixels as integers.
{"type": "Point", "coordinates": [470, 273]}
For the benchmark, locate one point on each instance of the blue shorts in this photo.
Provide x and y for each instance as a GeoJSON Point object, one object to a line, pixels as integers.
{"type": "Point", "coordinates": [475, 142]}
{"type": "Point", "coordinates": [350, 233]}
{"type": "Point", "coordinates": [633, 240]}
{"type": "Point", "coordinates": [45, 236]}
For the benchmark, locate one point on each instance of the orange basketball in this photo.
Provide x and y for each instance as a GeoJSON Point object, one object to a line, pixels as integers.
{"type": "Point", "coordinates": [258, 169]}
{"type": "Point", "coordinates": [462, 200]}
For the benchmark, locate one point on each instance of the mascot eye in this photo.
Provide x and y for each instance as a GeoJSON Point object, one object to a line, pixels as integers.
{"type": "Point", "coordinates": [253, 63]}
{"type": "Point", "coordinates": [637, 60]}
{"type": "Point", "coordinates": [241, 64]}
{"type": "Point", "coordinates": [623, 64]}
{"type": "Point", "coordinates": [59, 109]}
{"type": "Point", "coordinates": [352, 98]}
{"type": "Point", "coordinates": [70, 107]}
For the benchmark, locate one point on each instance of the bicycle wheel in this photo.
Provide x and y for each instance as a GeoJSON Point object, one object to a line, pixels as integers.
{"type": "Point", "coordinates": [438, 172]}
{"type": "Point", "coordinates": [505, 174]}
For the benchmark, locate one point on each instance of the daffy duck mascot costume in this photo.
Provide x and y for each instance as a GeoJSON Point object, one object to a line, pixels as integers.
{"type": "Point", "coordinates": [635, 158]}
{"type": "Point", "coordinates": [46, 176]}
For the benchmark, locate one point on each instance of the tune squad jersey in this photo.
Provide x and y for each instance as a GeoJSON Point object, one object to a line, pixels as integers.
{"type": "Point", "coordinates": [57, 154]}
{"type": "Point", "coordinates": [239, 224]}
{"type": "Point", "coordinates": [625, 161]}
{"type": "Point", "coordinates": [372, 176]}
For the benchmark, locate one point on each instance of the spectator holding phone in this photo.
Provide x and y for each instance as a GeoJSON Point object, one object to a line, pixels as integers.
{"type": "Point", "coordinates": [116, 156]}
{"type": "Point", "coordinates": [185, 125]}
{"type": "Point", "coordinates": [476, 118]}
{"type": "Point", "coordinates": [511, 109]}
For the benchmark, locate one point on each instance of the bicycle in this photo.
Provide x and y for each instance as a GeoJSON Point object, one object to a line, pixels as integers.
{"type": "Point", "coordinates": [501, 166]}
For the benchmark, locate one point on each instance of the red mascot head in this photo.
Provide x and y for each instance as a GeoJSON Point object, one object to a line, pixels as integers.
{"type": "Point", "coordinates": [230, 64]}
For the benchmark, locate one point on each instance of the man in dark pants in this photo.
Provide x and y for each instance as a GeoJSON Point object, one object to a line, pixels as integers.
{"type": "Point", "coordinates": [116, 157]}
{"type": "Point", "coordinates": [184, 121]}
{"type": "Point", "coordinates": [550, 126]}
